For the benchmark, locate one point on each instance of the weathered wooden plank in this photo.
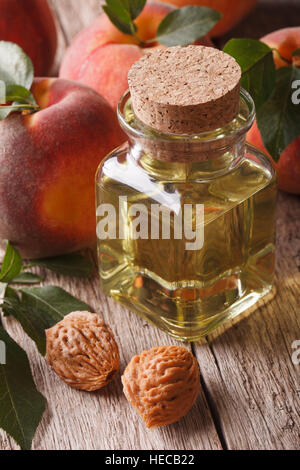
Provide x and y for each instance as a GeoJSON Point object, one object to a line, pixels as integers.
{"type": "Point", "coordinates": [234, 418]}
{"type": "Point", "coordinates": [62, 44]}
{"type": "Point", "coordinates": [247, 373]}
{"type": "Point", "coordinates": [73, 15]}
{"type": "Point", "coordinates": [268, 16]}
{"type": "Point", "coordinates": [251, 380]}
{"type": "Point", "coordinates": [105, 420]}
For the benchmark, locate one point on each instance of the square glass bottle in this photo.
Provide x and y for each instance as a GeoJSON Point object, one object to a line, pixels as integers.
{"type": "Point", "coordinates": [186, 221]}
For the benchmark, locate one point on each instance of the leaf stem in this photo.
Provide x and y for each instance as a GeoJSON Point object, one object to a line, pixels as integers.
{"type": "Point", "coordinates": [21, 106]}
{"type": "Point", "coordinates": [133, 33]}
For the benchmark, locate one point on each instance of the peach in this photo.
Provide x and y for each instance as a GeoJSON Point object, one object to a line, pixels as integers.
{"type": "Point", "coordinates": [288, 168]}
{"type": "Point", "coordinates": [30, 24]}
{"type": "Point", "coordinates": [286, 41]}
{"type": "Point", "coordinates": [48, 162]}
{"type": "Point", "coordinates": [233, 12]}
{"type": "Point", "coordinates": [101, 56]}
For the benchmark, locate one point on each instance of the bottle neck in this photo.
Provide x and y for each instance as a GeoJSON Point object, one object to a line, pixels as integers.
{"type": "Point", "coordinates": [180, 158]}
{"type": "Point", "coordinates": [209, 153]}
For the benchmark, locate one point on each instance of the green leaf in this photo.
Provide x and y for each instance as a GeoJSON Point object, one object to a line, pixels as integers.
{"type": "Point", "coordinates": [11, 265]}
{"type": "Point", "coordinates": [120, 9]}
{"type": "Point", "coordinates": [22, 100]}
{"type": "Point", "coordinates": [136, 7]}
{"type": "Point", "coordinates": [53, 301]}
{"type": "Point", "coordinates": [73, 264]}
{"type": "Point", "coordinates": [185, 25]}
{"type": "Point", "coordinates": [296, 52]}
{"type": "Point", "coordinates": [16, 67]}
{"type": "Point", "coordinates": [258, 70]}
{"type": "Point", "coordinates": [27, 278]}
{"type": "Point", "coordinates": [4, 112]}
{"type": "Point", "coordinates": [279, 118]}
{"type": "Point", "coordinates": [33, 321]}
{"type": "Point", "coordinates": [41, 308]}
{"type": "Point", "coordinates": [17, 106]}
{"type": "Point", "coordinates": [10, 299]}
{"type": "Point", "coordinates": [122, 13]}
{"type": "Point", "coordinates": [19, 93]}
{"type": "Point", "coordinates": [122, 25]}
{"type": "Point", "coordinates": [21, 405]}
{"type": "Point", "coordinates": [16, 73]}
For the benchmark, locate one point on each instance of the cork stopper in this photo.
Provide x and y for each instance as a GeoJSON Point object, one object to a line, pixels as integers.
{"type": "Point", "coordinates": [185, 90]}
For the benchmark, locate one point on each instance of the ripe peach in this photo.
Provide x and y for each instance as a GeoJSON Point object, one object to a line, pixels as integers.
{"type": "Point", "coordinates": [48, 162]}
{"type": "Point", "coordinates": [101, 56]}
{"type": "Point", "coordinates": [288, 168]}
{"type": "Point", "coordinates": [233, 12]}
{"type": "Point", "coordinates": [30, 24]}
{"type": "Point", "coordinates": [286, 41]}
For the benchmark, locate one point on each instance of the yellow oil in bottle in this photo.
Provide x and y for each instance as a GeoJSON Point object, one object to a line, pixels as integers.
{"type": "Point", "coordinates": [188, 292]}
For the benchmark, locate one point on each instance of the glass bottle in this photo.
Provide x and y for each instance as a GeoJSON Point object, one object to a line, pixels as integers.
{"type": "Point", "coordinates": [144, 261]}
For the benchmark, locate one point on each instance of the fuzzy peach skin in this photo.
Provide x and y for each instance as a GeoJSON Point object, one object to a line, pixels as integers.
{"type": "Point", "coordinates": [288, 168]}
{"type": "Point", "coordinates": [30, 24]}
{"type": "Point", "coordinates": [48, 162]}
{"type": "Point", "coordinates": [233, 11]}
{"type": "Point", "coordinates": [101, 56]}
{"type": "Point", "coordinates": [286, 41]}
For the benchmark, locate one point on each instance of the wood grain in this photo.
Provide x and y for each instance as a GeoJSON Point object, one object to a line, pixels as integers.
{"type": "Point", "coordinates": [268, 16]}
{"type": "Point", "coordinates": [251, 381]}
{"type": "Point", "coordinates": [105, 420]}
{"type": "Point", "coordinates": [250, 393]}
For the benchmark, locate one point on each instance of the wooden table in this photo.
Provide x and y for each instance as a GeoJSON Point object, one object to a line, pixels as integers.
{"type": "Point", "coordinates": [250, 396]}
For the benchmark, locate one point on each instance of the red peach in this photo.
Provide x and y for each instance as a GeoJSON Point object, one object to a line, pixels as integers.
{"type": "Point", "coordinates": [288, 168]}
{"type": "Point", "coordinates": [30, 24]}
{"type": "Point", "coordinates": [101, 56]}
{"type": "Point", "coordinates": [233, 12]}
{"type": "Point", "coordinates": [286, 41]}
{"type": "Point", "coordinates": [48, 162]}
